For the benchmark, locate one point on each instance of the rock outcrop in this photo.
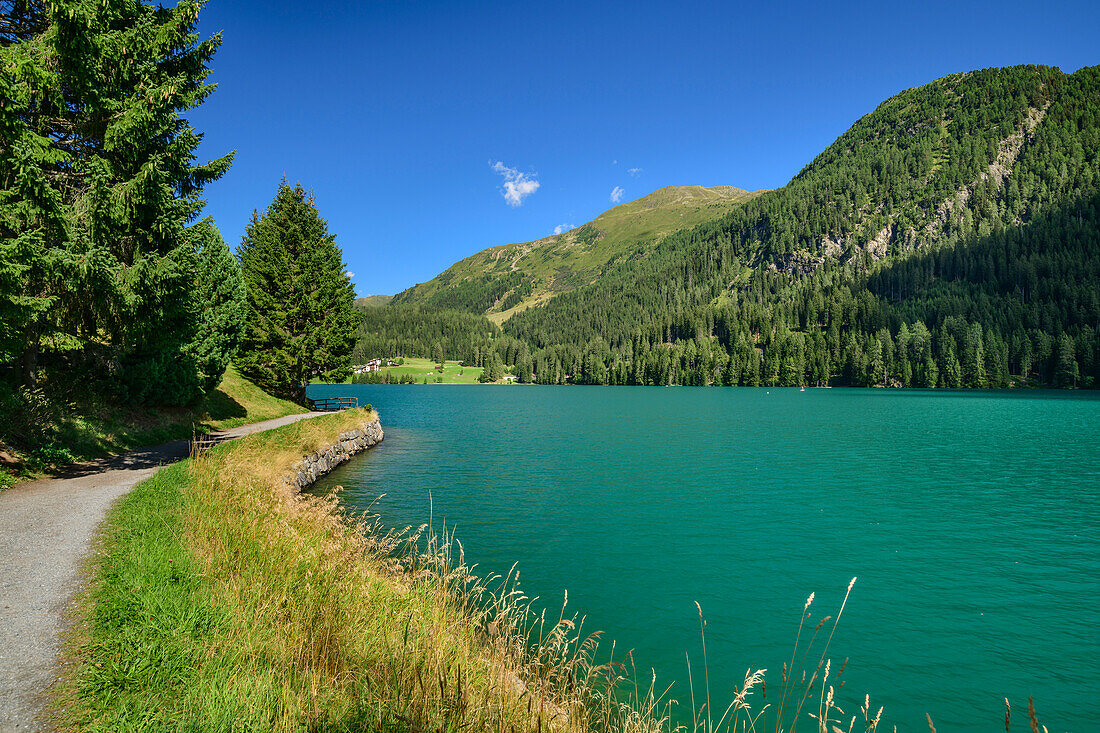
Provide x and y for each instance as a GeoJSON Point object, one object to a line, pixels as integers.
{"type": "Point", "coordinates": [313, 466]}
{"type": "Point", "coordinates": [1007, 152]}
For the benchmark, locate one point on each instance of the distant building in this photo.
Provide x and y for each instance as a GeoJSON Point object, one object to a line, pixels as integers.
{"type": "Point", "coordinates": [374, 365]}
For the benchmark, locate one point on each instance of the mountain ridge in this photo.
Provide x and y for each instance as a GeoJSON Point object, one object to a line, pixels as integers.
{"type": "Point", "coordinates": [505, 279]}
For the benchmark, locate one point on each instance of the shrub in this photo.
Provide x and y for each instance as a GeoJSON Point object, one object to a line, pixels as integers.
{"type": "Point", "coordinates": [49, 456]}
{"type": "Point", "coordinates": [27, 416]}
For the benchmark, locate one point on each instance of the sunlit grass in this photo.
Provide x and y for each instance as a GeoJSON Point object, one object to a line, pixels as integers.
{"type": "Point", "coordinates": [93, 428]}
{"type": "Point", "coordinates": [453, 371]}
{"type": "Point", "coordinates": [427, 371]}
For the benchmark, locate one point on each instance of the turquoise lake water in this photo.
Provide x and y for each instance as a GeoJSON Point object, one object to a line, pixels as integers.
{"type": "Point", "coordinates": [972, 520]}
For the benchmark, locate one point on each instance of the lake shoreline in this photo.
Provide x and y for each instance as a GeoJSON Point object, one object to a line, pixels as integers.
{"type": "Point", "coordinates": [231, 572]}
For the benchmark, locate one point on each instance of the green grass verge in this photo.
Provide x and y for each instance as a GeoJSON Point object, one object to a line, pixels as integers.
{"type": "Point", "coordinates": [238, 401]}
{"type": "Point", "coordinates": [149, 614]}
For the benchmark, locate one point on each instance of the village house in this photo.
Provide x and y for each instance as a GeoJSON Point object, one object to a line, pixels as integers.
{"type": "Point", "coordinates": [374, 365]}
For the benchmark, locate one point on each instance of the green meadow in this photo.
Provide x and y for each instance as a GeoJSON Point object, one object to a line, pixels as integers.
{"type": "Point", "coordinates": [453, 372]}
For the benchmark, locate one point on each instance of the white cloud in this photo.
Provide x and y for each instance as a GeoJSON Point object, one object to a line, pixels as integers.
{"type": "Point", "coordinates": [614, 162]}
{"type": "Point", "coordinates": [350, 273]}
{"type": "Point", "coordinates": [517, 186]}
{"type": "Point", "coordinates": [634, 171]}
{"type": "Point", "coordinates": [617, 194]}
{"type": "Point", "coordinates": [562, 228]}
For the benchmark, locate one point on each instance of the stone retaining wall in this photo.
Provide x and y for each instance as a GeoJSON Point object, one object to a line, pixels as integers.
{"type": "Point", "coordinates": [314, 466]}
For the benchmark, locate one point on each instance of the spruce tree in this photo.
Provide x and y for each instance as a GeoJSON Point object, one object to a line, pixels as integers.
{"type": "Point", "coordinates": [952, 371]}
{"type": "Point", "coordinates": [301, 318]}
{"type": "Point", "coordinates": [32, 205]}
{"type": "Point", "coordinates": [219, 298]}
{"type": "Point", "coordinates": [1067, 370]}
{"type": "Point", "coordinates": [100, 188]}
{"type": "Point", "coordinates": [142, 67]}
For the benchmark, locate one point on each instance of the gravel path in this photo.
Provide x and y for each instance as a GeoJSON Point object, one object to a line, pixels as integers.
{"type": "Point", "coordinates": [46, 528]}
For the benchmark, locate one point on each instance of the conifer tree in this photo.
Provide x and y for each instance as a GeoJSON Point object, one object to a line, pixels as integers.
{"type": "Point", "coordinates": [301, 319]}
{"type": "Point", "coordinates": [100, 187]}
{"type": "Point", "coordinates": [219, 298]}
{"type": "Point", "coordinates": [32, 210]}
{"type": "Point", "coordinates": [145, 66]}
{"type": "Point", "coordinates": [952, 371]}
{"type": "Point", "coordinates": [1068, 371]}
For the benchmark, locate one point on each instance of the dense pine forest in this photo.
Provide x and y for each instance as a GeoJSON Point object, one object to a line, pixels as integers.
{"type": "Point", "coordinates": [401, 330]}
{"type": "Point", "coordinates": [438, 334]}
{"type": "Point", "coordinates": [948, 239]}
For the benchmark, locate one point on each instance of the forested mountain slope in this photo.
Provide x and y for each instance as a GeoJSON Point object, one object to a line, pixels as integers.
{"type": "Point", "coordinates": [501, 281]}
{"type": "Point", "coordinates": [413, 330]}
{"type": "Point", "coordinates": [949, 238]}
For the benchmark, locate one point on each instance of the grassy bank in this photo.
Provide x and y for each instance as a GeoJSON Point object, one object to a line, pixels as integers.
{"type": "Point", "coordinates": [238, 401]}
{"type": "Point", "coordinates": [221, 601]}
{"type": "Point", "coordinates": [63, 432]}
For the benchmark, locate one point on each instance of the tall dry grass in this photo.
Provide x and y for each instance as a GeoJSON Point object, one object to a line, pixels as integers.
{"type": "Point", "coordinates": [808, 690]}
{"type": "Point", "coordinates": [315, 620]}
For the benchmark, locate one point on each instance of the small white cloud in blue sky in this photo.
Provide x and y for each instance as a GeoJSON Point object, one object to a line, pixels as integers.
{"type": "Point", "coordinates": [562, 228]}
{"type": "Point", "coordinates": [634, 171]}
{"type": "Point", "coordinates": [351, 274]}
{"type": "Point", "coordinates": [614, 162]}
{"type": "Point", "coordinates": [617, 194]}
{"type": "Point", "coordinates": [517, 186]}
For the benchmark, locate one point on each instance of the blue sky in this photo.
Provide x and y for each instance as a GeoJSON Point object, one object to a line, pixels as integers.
{"type": "Point", "coordinates": [424, 127]}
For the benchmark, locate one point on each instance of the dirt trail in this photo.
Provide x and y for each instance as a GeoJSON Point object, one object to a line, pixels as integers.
{"type": "Point", "coordinates": [46, 528]}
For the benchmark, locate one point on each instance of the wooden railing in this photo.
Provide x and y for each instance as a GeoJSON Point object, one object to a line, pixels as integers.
{"type": "Point", "coordinates": [333, 404]}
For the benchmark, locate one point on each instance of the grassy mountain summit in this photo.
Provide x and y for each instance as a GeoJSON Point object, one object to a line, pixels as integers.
{"type": "Point", "coordinates": [373, 301]}
{"type": "Point", "coordinates": [506, 279]}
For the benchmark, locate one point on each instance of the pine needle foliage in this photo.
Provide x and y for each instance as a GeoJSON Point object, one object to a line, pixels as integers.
{"type": "Point", "coordinates": [302, 319]}
{"type": "Point", "coordinates": [100, 192]}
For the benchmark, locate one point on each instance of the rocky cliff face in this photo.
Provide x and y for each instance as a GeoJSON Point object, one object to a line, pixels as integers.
{"type": "Point", "coordinates": [313, 466]}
